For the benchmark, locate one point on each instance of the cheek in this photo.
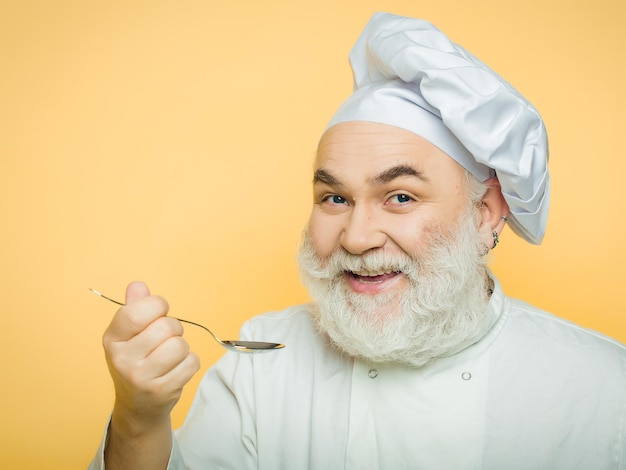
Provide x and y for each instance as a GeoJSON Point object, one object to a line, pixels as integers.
{"type": "Point", "coordinates": [415, 233]}
{"type": "Point", "coordinates": [410, 238]}
{"type": "Point", "coordinates": [325, 233]}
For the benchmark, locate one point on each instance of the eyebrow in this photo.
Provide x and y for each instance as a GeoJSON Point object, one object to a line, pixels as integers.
{"type": "Point", "coordinates": [323, 176]}
{"type": "Point", "coordinates": [397, 171]}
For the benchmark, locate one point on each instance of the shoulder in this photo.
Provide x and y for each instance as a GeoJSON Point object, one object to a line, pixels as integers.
{"type": "Point", "coordinates": [547, 337]}
{"type": "Point", "coordinates": [291, 321]}
{"type": "Point", "coordinates": [293, 326]}
{"type": "Point", "coordinates": [306, 349]}
{"type": "Point", "coordinates": [550, 324]}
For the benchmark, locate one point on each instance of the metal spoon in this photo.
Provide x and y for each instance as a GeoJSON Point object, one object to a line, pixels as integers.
{"type": "Point", "coordinates": [238, 346]}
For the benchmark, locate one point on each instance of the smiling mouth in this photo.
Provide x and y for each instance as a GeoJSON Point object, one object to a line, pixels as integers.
{"type": "Point", "coordinates": [373, 277]}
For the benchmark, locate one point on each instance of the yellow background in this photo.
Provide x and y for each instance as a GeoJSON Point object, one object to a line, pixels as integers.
{"type": "Point", "coordinates": [172, 142]}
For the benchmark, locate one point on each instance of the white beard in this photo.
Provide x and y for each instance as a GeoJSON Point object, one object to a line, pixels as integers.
{"type": "Point", "coordinates": [443, 310]}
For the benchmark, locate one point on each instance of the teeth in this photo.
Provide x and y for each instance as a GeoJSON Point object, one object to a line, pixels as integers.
{"type": "Point", "coordinates": [373, 273]}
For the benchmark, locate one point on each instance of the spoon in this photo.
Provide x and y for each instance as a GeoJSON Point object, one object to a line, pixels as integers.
{"type": "Point", "coordinates": [237, 346]}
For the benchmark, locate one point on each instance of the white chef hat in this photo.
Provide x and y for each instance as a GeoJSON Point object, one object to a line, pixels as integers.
{"type": "Point", "coordinates": [408, 74]}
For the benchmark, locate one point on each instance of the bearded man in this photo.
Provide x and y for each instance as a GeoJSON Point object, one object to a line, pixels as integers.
{"type": "Point", "coordinates": [410, 356]}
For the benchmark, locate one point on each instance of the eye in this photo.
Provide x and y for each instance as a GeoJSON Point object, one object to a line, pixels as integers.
{"type": "Point", "coordinates": [332, 203]}
{"type": "Point", "coordinates": [400, 199]}
{"type": "Point", "coordinates": [334, 199]}
{"type": "Point", "coordinates": [400, 202]}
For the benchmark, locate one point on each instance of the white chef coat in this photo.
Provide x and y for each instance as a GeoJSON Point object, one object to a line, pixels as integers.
{"type": "Point", "coordinates": [536, 392]}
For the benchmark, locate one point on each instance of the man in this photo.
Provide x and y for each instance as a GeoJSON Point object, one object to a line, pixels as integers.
{"type": "Point", "coordinates": [411, 356]}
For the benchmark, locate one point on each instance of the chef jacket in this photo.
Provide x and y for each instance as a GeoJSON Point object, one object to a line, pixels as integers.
{"type": "Point", "coordinates": [535, 392]}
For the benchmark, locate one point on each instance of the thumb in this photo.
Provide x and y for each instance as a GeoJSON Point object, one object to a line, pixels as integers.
{"type": "Point", "coordinates": [136, 291]}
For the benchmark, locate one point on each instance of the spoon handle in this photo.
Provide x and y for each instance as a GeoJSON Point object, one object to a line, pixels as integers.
{"type": "Point", "coordinates": [201, 326]}
{"type": "Point", "coordinates": [179, 319]}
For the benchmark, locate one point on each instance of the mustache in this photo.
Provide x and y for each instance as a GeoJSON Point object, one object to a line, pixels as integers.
{"type": "Point", "coordinates": [342, 261]}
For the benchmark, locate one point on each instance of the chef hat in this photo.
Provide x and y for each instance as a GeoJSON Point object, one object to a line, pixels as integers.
{"type": "Point", "coordinates": [408, 74]}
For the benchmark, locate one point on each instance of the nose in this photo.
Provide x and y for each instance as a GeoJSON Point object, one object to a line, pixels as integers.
{"type": "Point", "coordinates": [362, 232]}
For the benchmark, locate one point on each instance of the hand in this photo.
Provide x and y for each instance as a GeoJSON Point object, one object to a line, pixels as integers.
{"type": "Point", "coordinates": [148, 359]}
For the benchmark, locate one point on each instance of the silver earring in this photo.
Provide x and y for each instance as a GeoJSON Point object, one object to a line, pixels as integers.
{"type": "Point", "coordinates": [496, 240]}
{"type": "Point", "coordinates": [504, 218]}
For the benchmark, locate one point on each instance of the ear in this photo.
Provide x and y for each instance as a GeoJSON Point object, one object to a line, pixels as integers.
{"type": "Point", "coordinates": [493, 210]}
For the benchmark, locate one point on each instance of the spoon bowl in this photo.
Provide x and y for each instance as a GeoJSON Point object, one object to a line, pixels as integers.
{"type": "Point", "coordinates": [231, 345]}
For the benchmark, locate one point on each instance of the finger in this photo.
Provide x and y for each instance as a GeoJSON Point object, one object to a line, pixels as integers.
{"type": "Point", "coordinates": [152, 337]}
{"type": "Point", "coordinates": [171, 383]}
{"type": "Point", "coordinates": [132, 319]}
{"type": "Point", "coordinates": [136, 291]}
{"type": "Point", "coordinates": [160, 377]}
{"type": "Point", "coordinates": [165, 357]}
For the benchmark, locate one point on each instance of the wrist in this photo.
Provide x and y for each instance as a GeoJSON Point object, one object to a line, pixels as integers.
{"type": "Point", "coordinates": [137, 444]}
{"type": "Point", "coordinates": [131, 423]}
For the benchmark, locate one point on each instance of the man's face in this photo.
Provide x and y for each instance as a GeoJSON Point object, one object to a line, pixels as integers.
{"type": "Point", "coordinates": [391, 254]}
{"type": "Point", "coordinates": [378, 187]}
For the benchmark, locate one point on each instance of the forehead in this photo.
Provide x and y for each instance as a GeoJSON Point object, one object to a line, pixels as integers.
{"type": "Point", "coordinates": [367, 148]}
